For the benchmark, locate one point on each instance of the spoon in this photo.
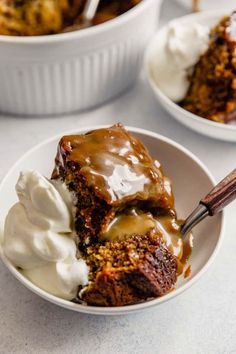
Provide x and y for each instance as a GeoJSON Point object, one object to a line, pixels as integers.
{"type": "Point", "coordinates": [218, 198]}
{"type": "Point", "coordinates": [84, 20]}
{"type": "Point", "coordinates": [89, 11]}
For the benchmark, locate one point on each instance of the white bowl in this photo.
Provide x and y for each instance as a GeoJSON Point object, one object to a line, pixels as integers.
{"type": "Point", "coordinates": [73, 71]}
{"type": "Point", "coordinates": [191, 181]}
{"type": "Point", "coordinates": [206, 127]}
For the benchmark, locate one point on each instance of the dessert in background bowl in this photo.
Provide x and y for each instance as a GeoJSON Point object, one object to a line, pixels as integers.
{"type": "Point", "coordinates": [65, 72]}
{"type": "Point", "coordinates": [185, 69]}
{"type": "Point", "coordinates": [212, 83]}
{"type": "Point", "coordinates": [104, 231]}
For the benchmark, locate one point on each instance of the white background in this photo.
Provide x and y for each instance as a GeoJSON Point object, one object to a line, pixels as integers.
{"type": "Point", "coordinates": [200, 321]}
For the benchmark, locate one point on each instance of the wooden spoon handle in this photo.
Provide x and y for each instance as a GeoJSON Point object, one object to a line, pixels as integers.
{"type": "Point", "coordinates": [220, 196]}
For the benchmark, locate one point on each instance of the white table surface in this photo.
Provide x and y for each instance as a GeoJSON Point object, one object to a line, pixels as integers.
{"type": "Point", "coordinates": [200, 321]}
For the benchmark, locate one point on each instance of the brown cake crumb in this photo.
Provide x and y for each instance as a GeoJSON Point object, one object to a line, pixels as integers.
{"type": "Point", "coordinates": [130, 271]}
{"type": "Point", "coordinates": [109, 170]}
{"type": "Point", "coordinates": [115, 181]}
{"type": "Point", "coordinates": [212, 91]}
{"type": "Point", "coordinates": [46, 17]}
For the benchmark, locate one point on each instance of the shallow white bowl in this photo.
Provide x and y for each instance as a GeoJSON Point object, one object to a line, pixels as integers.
{"type": "Point", "coordinates": [191, 181]}
{"type": "Point", "coordinates": [192, 121]}
{"type": "Point", "coordinates": [73, 71]}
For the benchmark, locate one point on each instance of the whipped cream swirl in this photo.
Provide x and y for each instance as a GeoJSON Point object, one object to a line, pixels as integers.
{"type": "Point", "coordinates": [38, 236]}
{"type": "Point", "coordinates": [176, 52]}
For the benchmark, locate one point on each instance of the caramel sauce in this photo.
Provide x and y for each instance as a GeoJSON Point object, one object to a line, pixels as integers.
{"type": "Point", "coordinates": [170, 231]}
{"type": "Point", "coordinates": [187, 273]}
{"type": "Point", "coordinates": [117, 166]}
{"type": "Point", "coordinates": [127, 225]}
{"type": "Point", "coordinates": [167, 227]}
{"type": "Point", "coordinates": [187, 249]}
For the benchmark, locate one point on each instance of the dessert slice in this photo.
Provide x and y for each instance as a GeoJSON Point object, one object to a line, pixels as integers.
{"type": "Point", "coordinates": [212, 91]}
{"type": "Point", "coordinates": [129, 271]}
{"type": "Point", "coordinates": [109, 171]}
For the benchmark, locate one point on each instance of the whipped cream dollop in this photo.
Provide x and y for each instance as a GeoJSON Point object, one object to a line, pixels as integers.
{"type": "Point", "coordinates": [38, 236]}
{"type": "Point", "coordinates": [176, 52]}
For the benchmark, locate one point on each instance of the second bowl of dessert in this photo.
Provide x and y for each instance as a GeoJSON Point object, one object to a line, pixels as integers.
{"type": "Point", "coordinates": [102, 236]}
{"type": "Point", "coordinates": [190, 68]}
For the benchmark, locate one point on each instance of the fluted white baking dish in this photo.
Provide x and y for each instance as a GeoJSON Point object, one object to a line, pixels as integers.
{"type": "Point", "coordinates": [74, 71]}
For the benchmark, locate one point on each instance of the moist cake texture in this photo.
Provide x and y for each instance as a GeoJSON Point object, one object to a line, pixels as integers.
{"type": "Point", "coordinates": [212, 91]}
{"type": "Point", "coordinates": [43, 17]}
{"type": "Point", "coordinates": [129, 271]}
{"type": "Point", "coordinates": [36, 17]}
{"type": "Point", "coordinates": [119, 192]}
{"type": "Point", "coordinates": [110, 170]}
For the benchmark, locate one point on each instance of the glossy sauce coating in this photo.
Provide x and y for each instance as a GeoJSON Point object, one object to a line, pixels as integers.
{"type": "Point", "coordinates": [125, 225]}
{"type": "Point", "coordinates": [117, 166]}
{"type": "Point", "coordinates": [167, 227]}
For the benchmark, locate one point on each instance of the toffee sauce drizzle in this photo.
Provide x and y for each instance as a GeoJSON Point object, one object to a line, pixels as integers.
{"type": "Point", "coordinates": [121, 171]}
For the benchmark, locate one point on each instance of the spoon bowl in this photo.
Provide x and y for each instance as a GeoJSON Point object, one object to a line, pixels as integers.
{"type": "Point", "coordinates": [85, 19]}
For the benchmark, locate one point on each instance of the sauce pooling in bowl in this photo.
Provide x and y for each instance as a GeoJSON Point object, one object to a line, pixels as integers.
{"type": "Point", "coordinates": [167, 227]}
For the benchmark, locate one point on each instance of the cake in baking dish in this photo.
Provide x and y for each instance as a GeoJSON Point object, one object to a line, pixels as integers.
{"type": "Point", "coordinates": [45, 17]}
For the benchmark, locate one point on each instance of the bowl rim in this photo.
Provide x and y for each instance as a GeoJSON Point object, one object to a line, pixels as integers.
{"type": "Point", "coordinates": [114, 23]}
{"type": "Point", "coordinates": [160, 93]}
{"type": "Point", "coordinates": [95, 310]}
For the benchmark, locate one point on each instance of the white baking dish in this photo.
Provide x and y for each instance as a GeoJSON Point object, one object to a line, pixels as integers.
{"type": "Point", "coordinates": [77, 70]}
